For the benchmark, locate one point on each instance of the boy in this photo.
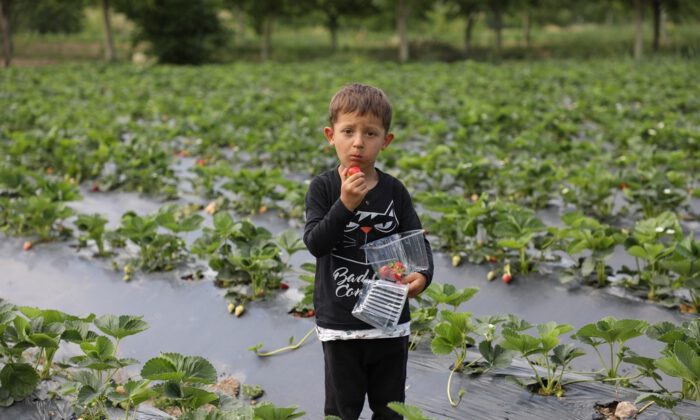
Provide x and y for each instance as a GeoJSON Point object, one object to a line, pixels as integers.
{"type": "Point", "coordinates": [345, 209]}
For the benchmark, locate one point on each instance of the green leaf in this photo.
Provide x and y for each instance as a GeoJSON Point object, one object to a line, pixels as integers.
{"type": "Point", "coordinates": [408, 411]}
{"type": "Point", "coordinates": [19, 379]}
{"type": "Point", "coordinates": [496, 356]}
{"type": "Point", "coordinates": [176, 367]}
{"type": "Point", "coordinates": [269, 411]}
{"type": "Point", "coordinates": [121, 326]}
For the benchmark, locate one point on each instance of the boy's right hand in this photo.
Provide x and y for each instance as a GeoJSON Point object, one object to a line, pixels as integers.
{"type": "Point", "coordinates": [353, 189]}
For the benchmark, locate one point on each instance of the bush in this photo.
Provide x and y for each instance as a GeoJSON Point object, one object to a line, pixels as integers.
{"type": "Point", "coordinates": [178, 31]}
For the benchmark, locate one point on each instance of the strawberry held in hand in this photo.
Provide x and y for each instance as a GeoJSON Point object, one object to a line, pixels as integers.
{"type": "Point", "coordinates": [352, 171]}
{"type": "Point", "coordinates": [394, 271]}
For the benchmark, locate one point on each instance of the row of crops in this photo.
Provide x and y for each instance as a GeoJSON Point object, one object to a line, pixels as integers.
{"type": "Point", "coordinates": [614, 147]}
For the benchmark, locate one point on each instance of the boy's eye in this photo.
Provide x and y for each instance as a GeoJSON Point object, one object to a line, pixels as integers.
{"type": "Point", "coordinates": [371, 134]}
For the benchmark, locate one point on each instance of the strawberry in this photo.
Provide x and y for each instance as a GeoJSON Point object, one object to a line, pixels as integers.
{"type": "Point", "coordinates": [284, 286]}
{"type": "Point", "coordinates": [352, 171]}
{"type": "Point", "coordinates": [239, 310]}
{"type": "Point", "coordinates": [507, 277]}
{"type": "Point", "coordinates": [456, 260]}
{"type": "Point", "coordinates": [310, 313]}
{"type": "Point", "coordinates": [27, 246]}
{"type": "Point", "coordinates": [385, 271]}
{"type": "Point", "coordinates": [491, 275]}
{"type": "Point", "coordinates": [230, 307]}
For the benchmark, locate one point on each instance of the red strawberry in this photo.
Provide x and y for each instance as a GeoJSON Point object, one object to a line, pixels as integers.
{"type": "Point", "coordinates": [27, 246]}
{"type": "Point", "coordinates": [354, 170]}
{"type": "Point", "coordinates": [385, 272]}
{"type": "Point", "coordinates": [284, 286]}
{"type": "Point", "coordinates": [310, 313]}
{"type": "Point", "coordinates": [507, 278]}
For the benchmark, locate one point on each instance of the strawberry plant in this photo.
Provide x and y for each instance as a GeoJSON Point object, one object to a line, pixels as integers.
{"type": "Point", "coordinates": [657, 191]}
{"type": "Point", "coordinates": [142, 165]}
{"type": "Point", "coordinates": [544, 349]}
{"type": "Point", "coordinates": [462, 226]}
{"type": "Point", "coordinates": [590, 189]}
{"type": "Point", "coordinates": [452, 336]}
{"type": "Point", "coordinates": [158, 251]}
{"type": "Point", "coordinates": [181, 379]}
{"type": "Point", "coordinates": [685, 262]}
{"type": "Point", "coordinates": [515, 228]}
{"type": "Point", "coordinates": [93, 384]}
{"type": "Point", "coordinates": [681, 354]}
{"type": "Point", "coordinates": [648, 244]}
{"type": "Point", "coordinates": [94, 227]}
{"type": "Point", "coordinates": [424, 314]}
{"type": "Point", "coordinates": [255, 189]}
{"type": "Point", "coordinates": [242, 253]}
{"type": "Point", "coordinates": [614, 333]}
{"type": "Point", "coordinates": [585, 234]}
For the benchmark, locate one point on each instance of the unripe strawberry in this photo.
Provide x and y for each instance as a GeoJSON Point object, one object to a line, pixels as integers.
{"type": "Point", "coordinates": [239, 310]}
{"type": "Point", "coordinates": [231, 307]}
{"type": "Point", "coordinates": [491, 275]}
{"type": "Point", "coordinates": [456, 260]}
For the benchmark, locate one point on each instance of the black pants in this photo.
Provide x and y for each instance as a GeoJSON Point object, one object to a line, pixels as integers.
{"type": "Point", "coordinates": [375, 367]}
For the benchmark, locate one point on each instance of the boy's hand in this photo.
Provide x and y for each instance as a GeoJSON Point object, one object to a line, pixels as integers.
{"type": "Point", "coordinates": [353, 189]}
{"type": "Point", "coordinates": [416, 283]}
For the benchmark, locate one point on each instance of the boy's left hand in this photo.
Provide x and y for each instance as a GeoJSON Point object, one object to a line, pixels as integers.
{"type": "Point", "coordinates": [416, 283]}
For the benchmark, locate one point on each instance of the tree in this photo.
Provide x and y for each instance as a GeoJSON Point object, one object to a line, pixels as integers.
{"type": "Point", "coordinates": [263, 14]}
{"type": "Point", "coordinates": [498, 8]}
{"type": "Point", "coordinates": [178, 31]}
{"type": "Point", "coordinates": [638, 29]}
{"type": "Point", "coordinates": [333, 10]}
{"type": "Point", "coordinates": [469, 11]}
{"type": "Point", "coordinates": [5, 19]}
{"type": "Point", "coordinates": [110, 52]}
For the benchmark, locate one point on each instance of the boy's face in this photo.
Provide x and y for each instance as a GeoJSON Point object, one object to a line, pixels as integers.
{"type": "Point", "coordinates": [358, 139]}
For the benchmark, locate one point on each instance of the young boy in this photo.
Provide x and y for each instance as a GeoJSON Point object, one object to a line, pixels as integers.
{"type": "Point", "coordinates": [345, 209]}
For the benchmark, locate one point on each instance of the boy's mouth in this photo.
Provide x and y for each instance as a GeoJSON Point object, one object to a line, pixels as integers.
{"type": "Point", "coordinates": [355, 158]}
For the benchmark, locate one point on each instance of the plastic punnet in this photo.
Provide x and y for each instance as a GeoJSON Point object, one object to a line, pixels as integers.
{"type": "Point", "coordinates": [381, 302]}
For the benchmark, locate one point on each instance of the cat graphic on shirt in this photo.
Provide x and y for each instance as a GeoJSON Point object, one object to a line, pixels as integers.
{"type": "Point", "coordinates": [364, 227]}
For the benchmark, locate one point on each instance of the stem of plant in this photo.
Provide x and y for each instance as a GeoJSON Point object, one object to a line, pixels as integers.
{"type": "Point", "coordinates": [287, 348]}
{"type": "Point", "coordinates": [457, 365]}
{"type": "Point", "coordinates": [537, 375]}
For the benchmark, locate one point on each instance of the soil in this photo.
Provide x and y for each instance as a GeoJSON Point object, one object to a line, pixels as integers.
{"type": "Point", "coordinates": [191, 318]}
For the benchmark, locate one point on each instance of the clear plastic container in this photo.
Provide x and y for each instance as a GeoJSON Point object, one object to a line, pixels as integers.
{"type": "Point", "coordinates": [407, 248]}
{"type": "Point", "coordinates": [380, 302]}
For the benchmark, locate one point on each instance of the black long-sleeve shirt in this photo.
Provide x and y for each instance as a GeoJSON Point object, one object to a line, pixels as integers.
{"type": "Point", "coordinates": [334, 235]}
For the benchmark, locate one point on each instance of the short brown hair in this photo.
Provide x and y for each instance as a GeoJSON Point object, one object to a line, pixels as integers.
{"type": "Point", "coordinates": [361, 99]}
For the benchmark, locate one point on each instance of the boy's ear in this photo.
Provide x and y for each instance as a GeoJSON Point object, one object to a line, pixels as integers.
{"type": "Point", "coordinates": [387, 140]}
{"type": "Point", "coordinates": [328, 132]}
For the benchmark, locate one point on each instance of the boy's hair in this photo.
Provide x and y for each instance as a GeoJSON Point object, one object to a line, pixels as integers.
{"type": "Point", "coordinates": [361, 99]}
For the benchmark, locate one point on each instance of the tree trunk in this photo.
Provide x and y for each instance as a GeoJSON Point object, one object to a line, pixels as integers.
{"type": "Point", "coordinates": [6, 32]}
{"type": "Point", "coordinates": [403, 9]}
{"type": "Point", "coordinates": [240, 24]}
{"type": "Point", "coordinates": [333, 30]}
{"type": "Point", "coordinates": [468, 31]}
{"type": "Point", "coordinates": [267, 38]}
{"type": "Point", "coordinates": [526, 28]}
{"type": "Point", "coordinates": [638, 29]}
{"type": "Point", "coordinates": [110, 53]}
{"type": "Point", "coordinates": [658, 17]}
{"type": "Point", "coordinates": [498, 26]}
